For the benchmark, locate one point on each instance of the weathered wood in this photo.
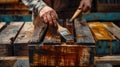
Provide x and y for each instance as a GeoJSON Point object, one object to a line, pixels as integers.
{"type": "Point", "coordinates": [99, 31]}
{"type": "Point", "coordinates": [106, 43]}
{"type": "Point", "coordinates": [38, 32]}
{"type": "Point", "coordinates": [115, 60]}
{"type": "Point", "coordinates": [5, 50]}
{"type": "Point", "coordinates": [112, 28]}
{"type": "Point", "coordinates": [60, 56]}
{"type": "Point", "coordinates": [2, 24]}
{"type": "Point", "coordinates": [11, 61]}
{"type": "Point", "coordinates": [8, 35]}
{"type": "Point", "coordinates": [25, 33]}
{"type": "Point", "coordinates": [21, 42]}
{"type": "Point", "coordinates": [83, 33]}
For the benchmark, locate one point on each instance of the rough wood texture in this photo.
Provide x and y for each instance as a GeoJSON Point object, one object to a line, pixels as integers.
{"type": "Point", "coordinates": [115, 60]}
{"type": "Point", "coordinates": [8, 1]}
{"type": "Point", "coordinates": [100, 32]}
{"type": "Point", "coordinates": [21, 42]}
{"type": "Point", "coordinates": [14, 61]}
{"type": "Point", "coordinates": [20, 50]}
{"type": "Point", "coordinates": [25, 33]}
{"type": "Point", "coordinates": [59, 56]}
{"type": "Point", "coordinates": [5, 50]}
{"type": "Point", "coordinates": [83, 33]}
{"type": "Point", "coordinates": [112, 28]}
{"type": "Point", "coordinates": [2, 24]}
{"type": "Point", "coordinates": [8, 35]}
{"type": "Point", "coordinates": [39, 32]}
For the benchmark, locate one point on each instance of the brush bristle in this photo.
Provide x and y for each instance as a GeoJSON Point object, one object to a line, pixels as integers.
{"type": "Point", "coordinates": [66, 34]}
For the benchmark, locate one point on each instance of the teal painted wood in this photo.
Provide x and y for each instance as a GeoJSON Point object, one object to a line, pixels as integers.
{"type": "Point", "coordinates": [18, 18]}
{"type": "Point", "coordinates": [103, 48]}
{"type": "Point", "coordinates": [102, 17]}
{"type": "Point", "coordinates": [88, 17]}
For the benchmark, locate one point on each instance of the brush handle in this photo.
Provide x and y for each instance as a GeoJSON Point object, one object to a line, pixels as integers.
{"type": "Point", "coordinates": [77, 12]}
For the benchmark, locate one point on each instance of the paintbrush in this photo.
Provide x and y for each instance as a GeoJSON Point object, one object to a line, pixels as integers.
{"type": "Point", "coordinates": [77, 12]}
{"type": "Point", "coordinates": [64, 32]}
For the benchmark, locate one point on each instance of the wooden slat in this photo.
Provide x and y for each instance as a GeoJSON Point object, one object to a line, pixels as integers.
{"type": "Point", "coordinates": [99, 31]}
{"type": "Point", "coordinates": [115, 60]}
{"type": "Point", "coordinates": [82, 32]}
{"type": "Point", "coordinates": [8, 35]}
{"type": "Point", "coordinates": [112, 28]}
{"type": "Point", "coordinates": [10, 61]}
{"type": "Point", "coordinates": [74, 56]}
{"type": "Point", "coordinates": [39, 32]}
{"type": "Point", "coordinates": [21, 42]}
{"type": "Point", "coordinates": [25, 33]}
{"type": "Point", "coordinates": [2, 24]}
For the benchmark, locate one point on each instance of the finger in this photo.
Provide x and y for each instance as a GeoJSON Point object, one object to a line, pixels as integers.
{"type": "Point", "coordinates": [54, 17]}
{"type": "Point", "coordinates": [49, 18]}
{"type": "Point", "coordinates": [86, 8]}
{"type": "Point", "coordinates": [81, 4]}
{"type": "Point", "coordinates": [55, 22]}
{"type": "Point", "coordinates": [45, 18]}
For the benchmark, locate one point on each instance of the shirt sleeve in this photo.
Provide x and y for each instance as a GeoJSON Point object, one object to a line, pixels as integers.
{"type": "Point", "coordinates": [34, 5]}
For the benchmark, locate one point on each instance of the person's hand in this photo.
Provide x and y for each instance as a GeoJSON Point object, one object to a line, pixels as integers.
{"type": "Point", "coordinates": [85, 5]}
{"type": "Point", "coordinates": [48, 15]}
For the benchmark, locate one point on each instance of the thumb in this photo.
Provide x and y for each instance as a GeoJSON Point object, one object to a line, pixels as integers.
{"type": "Point", "coordinates": [81, 5]}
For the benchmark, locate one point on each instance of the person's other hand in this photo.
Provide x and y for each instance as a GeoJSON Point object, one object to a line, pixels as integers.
{"type": "Point", "coordinates": [48, 15]}
{"type": "Point", "coordinates": [85, 5]}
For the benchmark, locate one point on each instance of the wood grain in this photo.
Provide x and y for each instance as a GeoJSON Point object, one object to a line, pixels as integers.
{"type": "Point", "coordinates": [100, 32]}
{"type": "Point", "coordinates": [60, 56]}
{"type": "Point", "coordinates": [2, 24]}
{"type": "Point", "coordinates": [39, 32]}
{"type": "Point", "coordinates": [115, 30]}
{"type": "Point", "coordinates": [8, 35]}
{"type": "Point", "coordinates": [25, 33]}
{"type": "Point", "coordinates": [82, 32]}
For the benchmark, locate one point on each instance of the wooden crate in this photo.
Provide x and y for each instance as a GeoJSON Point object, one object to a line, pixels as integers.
{"type": "Point", "coordinates": [60, 56]}
{"type": "Point", "coordinates": [14, 38]}
{"type": "Point", "coordinates": [106, 35]}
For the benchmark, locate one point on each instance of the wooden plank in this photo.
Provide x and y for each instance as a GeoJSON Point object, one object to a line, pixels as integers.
{"type": "Point", "coordinates": [8, 35]}
{"type": "Point", "coordinates": [74, 56]}
{"type": "Point", "coordinates": [39, 32]}
{"type": "Point", "coordinates": [2, 24]}
{"type": "Point", "coordinates": [115, 30]}
{"type": "Point", "coordinates": [25, 33]}
{"type": "Point", "coordinates": [99, 31]}
{"type": "Point", "coordinates": [115, 60]}
{"type": "Point", "coordinates": [5, 50]}
{"type": "Point", "coordinates": [21, 42]}
{"type": "Point", "coordinates": [11, 61]}
{"type": "Point", "coordinates": [83, 33]}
